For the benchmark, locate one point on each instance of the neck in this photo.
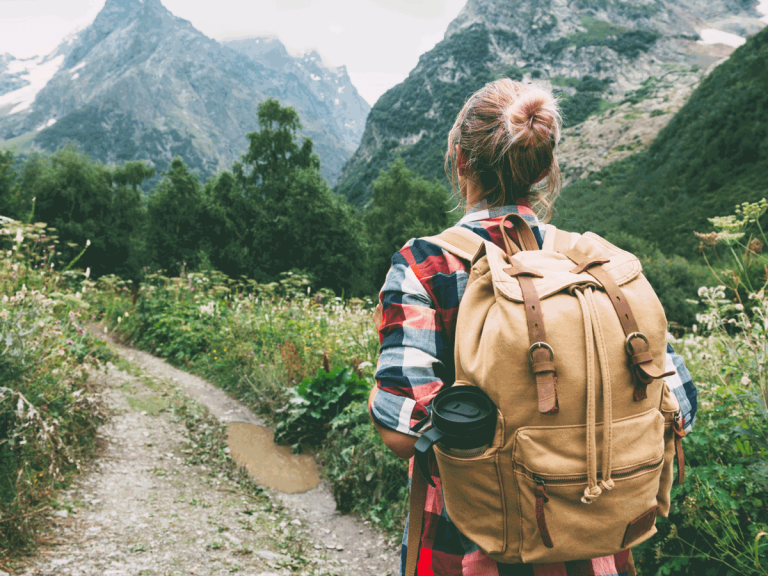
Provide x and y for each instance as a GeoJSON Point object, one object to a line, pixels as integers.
{"type": "Point", "coordinates": [474, 193]}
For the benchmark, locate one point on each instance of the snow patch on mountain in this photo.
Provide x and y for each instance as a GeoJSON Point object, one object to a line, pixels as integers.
{"type": "Point", "coordinates": [38, 71]}
{"type": "Point", "coordinates": [714, 36]}
{"type": "Point", "coordinates": [762, 7]}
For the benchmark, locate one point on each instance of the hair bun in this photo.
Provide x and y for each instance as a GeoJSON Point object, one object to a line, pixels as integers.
{"type": "Point", "coordinates": [533, 118]}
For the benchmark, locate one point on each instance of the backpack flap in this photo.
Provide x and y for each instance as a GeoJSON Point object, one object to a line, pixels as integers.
{"type": "Point", "coordinates": [557, 270]}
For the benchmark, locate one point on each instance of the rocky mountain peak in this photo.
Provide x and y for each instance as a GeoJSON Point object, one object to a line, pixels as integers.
{"type": "Point", "coordinates": [594, 55]}
{"type": "Point", "coordinates": [143, 84]}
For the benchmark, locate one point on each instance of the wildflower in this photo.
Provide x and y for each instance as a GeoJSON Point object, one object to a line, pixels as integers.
{"type": "Point", "coordinates": [88, 272]}
{"type": "Point", "coordinates": [745, 381]}
{"type": "Point", "coordinates": [19, 236]}
{"type": "Point", "coordinates": [70, 342]}
{"type": "Point", "coordinates": [87, 243]}
{"type": "Point", "coordinates": [726, 223]}
{"type": "Point", "coordinates": [119, 319]}
{"type": "Point", "coordinates": [126, 314]}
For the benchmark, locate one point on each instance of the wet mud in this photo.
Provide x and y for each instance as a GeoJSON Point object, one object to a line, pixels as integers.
{"type": "Point", "coordinates": [275, 466]}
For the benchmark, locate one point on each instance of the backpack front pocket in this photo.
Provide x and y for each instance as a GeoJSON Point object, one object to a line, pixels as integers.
{"type": "Point", "coordinates": [551, 476]}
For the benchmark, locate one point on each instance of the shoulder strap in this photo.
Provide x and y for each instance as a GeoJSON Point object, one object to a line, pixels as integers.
{"type": "Point", "coordinates": [418, 499]}
{"type": "Point", "coordinates": [563, 241]}
{"type": "Point", "coordinates": [549, 237]}
{"type": "Point", "coordinates": [557, 240]}
{"type": "Point", "coordinates": [459, 241]}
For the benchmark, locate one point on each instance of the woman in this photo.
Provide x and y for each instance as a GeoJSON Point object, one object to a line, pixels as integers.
{"type": "Point", "coordinates": [502, 151]}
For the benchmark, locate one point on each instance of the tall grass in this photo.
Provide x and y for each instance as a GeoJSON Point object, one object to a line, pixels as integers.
{"type": "Point", "coordinates": [49, 409]}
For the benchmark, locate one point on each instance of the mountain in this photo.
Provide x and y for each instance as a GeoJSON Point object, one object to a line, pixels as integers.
{"type": "Point", "coordinates": [711, 156]}
{"type": "Point", "coordinates": [595, 54]}
{"type": "Point", "coordinates": [140, 83]}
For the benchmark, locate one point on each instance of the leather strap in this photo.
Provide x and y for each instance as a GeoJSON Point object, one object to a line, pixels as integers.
{"type": "Point", "coordinates": [679, 433]}
{"type": "Point", "coordinates": [525, 235]}
{"type": "Point", "coordinates": [641, 359]}
{"type": "Point", "coordinates": [541, 499]}
{"type": "Point", "coordinates": [418, 499]}
{"type": "Point", "coordinates": [631, 571]}
{"type": "Point", "coordinates": [541, 354]}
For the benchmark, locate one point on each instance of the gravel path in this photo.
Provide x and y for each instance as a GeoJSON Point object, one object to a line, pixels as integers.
{"type": "Point", "coordinates": [142, 508]}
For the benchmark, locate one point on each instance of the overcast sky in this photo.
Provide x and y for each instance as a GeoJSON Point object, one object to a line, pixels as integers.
{"type": "Point", "coordinates": [379, 41]}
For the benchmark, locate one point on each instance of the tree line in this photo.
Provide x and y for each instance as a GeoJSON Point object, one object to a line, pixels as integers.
{"type": "Point", "coordinates": [273, 212]}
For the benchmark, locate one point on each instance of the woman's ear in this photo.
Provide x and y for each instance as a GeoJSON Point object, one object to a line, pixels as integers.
{"type": "Point", "coordinates": [543, 175]}
{"type": "Point", "coordinates": [461, 161]}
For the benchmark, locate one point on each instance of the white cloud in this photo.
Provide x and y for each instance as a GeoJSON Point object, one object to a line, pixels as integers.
{"type": "Point", "coordinates": [379, 41]}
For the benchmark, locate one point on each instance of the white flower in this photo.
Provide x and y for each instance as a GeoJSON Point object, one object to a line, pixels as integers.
{"type": "Point", "coordinates": [745, 381]}
{"type": "Point", "coordinates": [702, 291]}
{"type": "Point", "coordinates": [19, 236]}
{"type": "Point", "coordinates": [88, 272]}
{"type": "Point", "coordinates": [364, 365]}
{"type": "Point", "coordinates": [119, 319]}
{"type": "Point", "coordinates": [87, 243]}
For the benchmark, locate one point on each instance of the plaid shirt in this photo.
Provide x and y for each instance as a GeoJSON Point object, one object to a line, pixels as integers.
{"type": "Point", "coordinates": [420, 301]}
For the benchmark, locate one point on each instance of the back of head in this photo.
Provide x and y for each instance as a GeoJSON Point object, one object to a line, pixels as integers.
{"type": "Point", "coordinates": [508, 134]}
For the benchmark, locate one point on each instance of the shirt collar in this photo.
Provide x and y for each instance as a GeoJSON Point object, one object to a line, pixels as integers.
{"type": "Point", "coordinates": [481, 211]}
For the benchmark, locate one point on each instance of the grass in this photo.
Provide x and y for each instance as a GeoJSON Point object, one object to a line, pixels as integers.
{"type": "Point", "coordinates": [19, 144]}
{"type": "Point", "coordinates": [152, 405]}
{"type": "Point", "coordinates": [596, 31]}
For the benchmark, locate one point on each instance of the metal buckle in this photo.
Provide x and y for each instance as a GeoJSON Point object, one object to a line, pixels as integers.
{"type": "Point", "coordinates": [536, 345]}
{"type": "Point", "coordinates": [628, 345]}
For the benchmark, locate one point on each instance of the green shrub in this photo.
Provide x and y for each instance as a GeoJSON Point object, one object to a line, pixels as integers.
{"type": "Point", "coordinates": [49, 410]}
{"type": "Point", "coordinates": [720, 511]}
{"type": "Point", "coordinates": [365, 476]}
{"type": "Point", "coordinates": [314, 403]}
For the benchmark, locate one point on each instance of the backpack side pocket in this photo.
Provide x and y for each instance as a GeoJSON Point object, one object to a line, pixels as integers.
{"type": "Point", "coordinates": [473, 491]}
{"type": "Point", "coordinates": [670, 409]}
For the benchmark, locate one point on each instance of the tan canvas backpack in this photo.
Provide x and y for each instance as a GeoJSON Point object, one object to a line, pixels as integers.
{"type": "Point", "coordinates": [570, 343]}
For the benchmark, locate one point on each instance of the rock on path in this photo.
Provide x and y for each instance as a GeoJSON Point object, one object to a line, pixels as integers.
{"type": "Point", "coordinates": [140, 509]}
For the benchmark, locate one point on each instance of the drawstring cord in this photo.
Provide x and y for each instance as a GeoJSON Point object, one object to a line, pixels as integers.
{"type": "Point", "coordinates": [602, 352]}
{"type": "Point", "coordinates": [593, 333]}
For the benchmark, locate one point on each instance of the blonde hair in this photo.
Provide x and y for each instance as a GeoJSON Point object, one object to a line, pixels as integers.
{"type": "Point", "coordinates": [508, 133]}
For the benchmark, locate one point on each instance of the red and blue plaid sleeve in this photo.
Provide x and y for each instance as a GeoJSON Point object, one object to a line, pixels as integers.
{"type": "Point", "coordinates": [420, 300]}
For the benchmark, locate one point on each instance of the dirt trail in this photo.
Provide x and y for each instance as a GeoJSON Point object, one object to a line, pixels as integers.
{"type": "Point", "coordinates": [141, 509]}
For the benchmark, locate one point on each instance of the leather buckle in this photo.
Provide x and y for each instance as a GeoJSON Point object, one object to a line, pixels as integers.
{"type": "Point", "coordinates": [536, 345]}
{"type": "Point", "coordinates": [628, 342]}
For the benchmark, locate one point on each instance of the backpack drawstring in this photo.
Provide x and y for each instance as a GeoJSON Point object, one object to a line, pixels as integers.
{"type": "Point", "coordinates": [593, 333]}
{"type": "Point", "coordinates": [605, 374]}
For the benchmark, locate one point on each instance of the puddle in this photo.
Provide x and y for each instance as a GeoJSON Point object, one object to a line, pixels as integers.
{"type": "Point", "coordinates": [274, 466]}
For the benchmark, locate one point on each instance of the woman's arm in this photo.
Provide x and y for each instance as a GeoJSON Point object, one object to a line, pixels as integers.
{"type": "Point", "coordinates": [414, 343]}
{"type": "Point", "coordinates": [401, 444]}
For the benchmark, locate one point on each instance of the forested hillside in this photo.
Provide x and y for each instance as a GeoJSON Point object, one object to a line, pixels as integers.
{"type": "Point", "coordinates": [595, 55]}
{"type": "Point", "coordinates": [712, 155]}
